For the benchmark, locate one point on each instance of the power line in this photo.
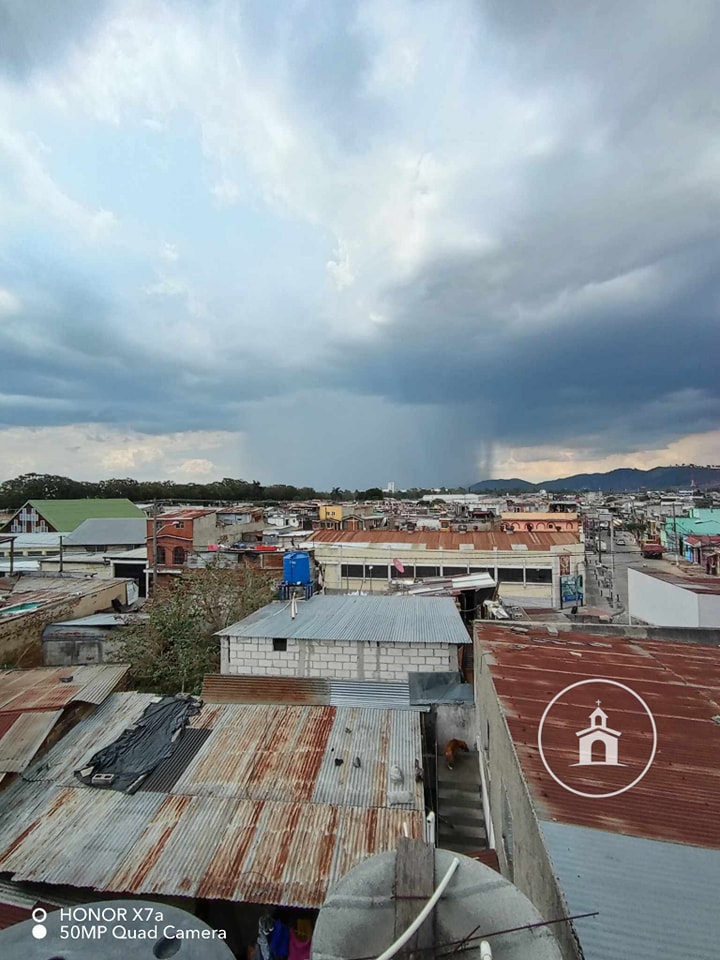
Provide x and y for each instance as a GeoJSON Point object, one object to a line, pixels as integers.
{"type": "Point", "coordinates": [468, 941]}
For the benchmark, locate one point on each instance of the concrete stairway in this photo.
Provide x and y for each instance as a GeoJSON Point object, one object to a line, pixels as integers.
{"type": "Point", "coordinates": [461, 823]}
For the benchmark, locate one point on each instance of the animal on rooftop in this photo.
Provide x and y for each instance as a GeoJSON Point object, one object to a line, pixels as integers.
{"type": "Point", "coordinates": [452, 748]}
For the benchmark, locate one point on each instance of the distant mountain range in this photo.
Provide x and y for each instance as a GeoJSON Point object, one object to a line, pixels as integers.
{"type": "Point", "coordinates": [615, 481]}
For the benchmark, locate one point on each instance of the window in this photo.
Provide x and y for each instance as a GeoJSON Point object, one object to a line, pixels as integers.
{"type": "Point", "coordinates": [354, 570]}
{"type": "Point", "coordinates": [160, 555]}
{"type": "Point", "coordinates": [510, 575]}
{"type": "Point", "coordinates": [539, 576]}
{"type": "Point", "coordinates": [376, 571]}
{"type": "Point", "coordinates": [179, 555]}
{"type": "Point", "coordinates": [455, 571]}
{"type": "Point", "coordinates": [427, 571]}
{"type": "Point", "coordinates": [479, 570]}
{"type": "Point", "coordinates": [279, 644]}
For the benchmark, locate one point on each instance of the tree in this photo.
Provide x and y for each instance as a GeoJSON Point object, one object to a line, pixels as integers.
{"type": "Point", "coordinates": [173, 650]}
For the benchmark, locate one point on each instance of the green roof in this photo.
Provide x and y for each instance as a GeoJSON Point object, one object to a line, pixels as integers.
{"type": "Point", "coordinates": [66, 515]}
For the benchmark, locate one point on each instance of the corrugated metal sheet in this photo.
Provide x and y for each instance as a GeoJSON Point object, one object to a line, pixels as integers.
{"type": "Point", "coordinates": [654, 899]}
{"type": "Point", "coordinates": [444, 540]}
{"type": "Point", "coordinates": [49, 688]}
{"type": "Point", "coordinates": [679, 797]}
{"type": "Point", "coordinates": [379, 619]}
{"type": "Point", "coordinates": [370, 693]}
{"type": "Point", "coordinates": [311, 691]}
{"type": "Point", "coordinates": [20, 743]}
{"type": "Point", "coordinates": [238, 689]}
{"type": "Point", "coordinates": [205, 847]}
{"type": "Point", "coordinates": [235, 824]}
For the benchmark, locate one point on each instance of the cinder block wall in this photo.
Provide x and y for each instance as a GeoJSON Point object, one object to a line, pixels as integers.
{"type": "Point", "coordinates": [335, 659]}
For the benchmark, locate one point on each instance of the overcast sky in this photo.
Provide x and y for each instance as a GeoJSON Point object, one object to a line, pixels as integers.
{"type": "Point", "coordinates": [332, 243]}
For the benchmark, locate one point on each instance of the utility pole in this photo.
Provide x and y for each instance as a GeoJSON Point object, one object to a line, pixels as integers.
{"type": "Point", "coordinates": [61, 554]}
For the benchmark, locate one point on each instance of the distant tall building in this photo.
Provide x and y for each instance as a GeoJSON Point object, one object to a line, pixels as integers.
{"type": "Point", "coordinates": [390, 487]}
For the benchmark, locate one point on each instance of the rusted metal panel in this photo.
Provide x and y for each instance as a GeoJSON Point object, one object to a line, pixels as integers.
{"type": "Point", "coordinates": [198, 846]}
{"type": "Point", "coordinates": [679, 797]}
{"type": "Point", "coordinates": [236, 824]}
{"type": "Point", "coordinates": [50, 688]}
{"type": "Point", "coordinates": [20, 743]}
{"type": "Point", "coordinates": [236, 689]}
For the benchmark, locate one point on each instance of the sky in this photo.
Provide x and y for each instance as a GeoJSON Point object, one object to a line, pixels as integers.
{"type": "Point", "coordinates": [339, 244]}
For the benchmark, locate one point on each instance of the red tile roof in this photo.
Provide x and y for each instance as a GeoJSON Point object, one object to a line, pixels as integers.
{"type": "Point", "coordinates": [679, 797]}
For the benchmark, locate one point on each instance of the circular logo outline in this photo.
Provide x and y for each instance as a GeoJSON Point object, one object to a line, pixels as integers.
{"type": "Point", "coordinates": [614, 793]}
{"type": "Point", "coordinates": [39, 915]}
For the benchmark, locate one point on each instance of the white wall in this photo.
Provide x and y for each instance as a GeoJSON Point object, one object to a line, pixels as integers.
{"type": "Point", "coordinates": [334, 659]}
{"type": "Point", "coordinates": [709, 609]}
{"type": "Point", "coordinates": [661, 603]}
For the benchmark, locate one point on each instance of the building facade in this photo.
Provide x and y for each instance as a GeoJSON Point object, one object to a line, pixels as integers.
{"type": "Point", "coordinates": [527, 566]}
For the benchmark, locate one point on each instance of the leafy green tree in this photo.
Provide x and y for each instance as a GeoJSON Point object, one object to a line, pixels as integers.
{"type": "Point", "coordinates": [173, 650]}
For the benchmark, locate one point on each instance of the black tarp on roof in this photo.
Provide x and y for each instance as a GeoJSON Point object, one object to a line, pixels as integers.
{"type": "Point", "coordinates": [139, 750]}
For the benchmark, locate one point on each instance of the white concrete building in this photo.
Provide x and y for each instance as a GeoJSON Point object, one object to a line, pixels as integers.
{"type": "Point", "coordinates": [347, 637]}
{"type": "Point", "coordinates": [669, 600]}
{"type": "Point", "coordinates": [527, 566]}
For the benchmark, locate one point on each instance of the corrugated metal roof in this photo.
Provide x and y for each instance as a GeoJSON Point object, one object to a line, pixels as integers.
{"type": "Point", "coordinates": [381, 619]}
{"type": "Point", "coordinates": [443, 539]}
{"type": "Point", "coordinates": [25, 736]}
{"type": "Point", "coordinates": [239, 689]}
{"type": "Point", "coordinates": [204, 847]}
{"type": "Point", "coordinates": [695, 583]}
{"type": "Point", "coordinates": [43, 688]}
{"type": "Point", "coordinates": [654, 898]}
{"type": "Point", "coordinates": [103, 531]}
{"type": "Point", "coordinates": [370, 693]}
{"type": "Point", "coordinates": [235, 824]}
{"type": "Point", "coordinates": [679, 797]}
{"type": "Point", "coordinates": [317, 691]}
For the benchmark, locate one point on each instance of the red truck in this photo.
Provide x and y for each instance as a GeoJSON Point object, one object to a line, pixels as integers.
{"type": "Point", "coordinates": [652, 550]}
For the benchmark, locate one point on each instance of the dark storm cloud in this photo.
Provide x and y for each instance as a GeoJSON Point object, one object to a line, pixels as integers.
{"type": "Point", "coordinates": [590, 317]}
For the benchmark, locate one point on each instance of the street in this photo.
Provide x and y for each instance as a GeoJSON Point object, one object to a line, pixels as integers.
{"type": "Point", "coordinates": [613, 565]}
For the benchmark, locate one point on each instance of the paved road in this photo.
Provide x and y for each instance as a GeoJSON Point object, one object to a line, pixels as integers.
{"type": "Point", "coordinates": [612, 567]}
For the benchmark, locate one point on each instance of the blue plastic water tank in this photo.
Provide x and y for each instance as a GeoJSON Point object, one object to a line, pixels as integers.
{"type": "Point", "coordinates": [296, 568]}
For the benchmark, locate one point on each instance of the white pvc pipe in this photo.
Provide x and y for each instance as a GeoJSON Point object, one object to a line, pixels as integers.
{"type": "Point", "coordinates": [423, 915]}
{"type": "Point", "coordinates": [485, 951]}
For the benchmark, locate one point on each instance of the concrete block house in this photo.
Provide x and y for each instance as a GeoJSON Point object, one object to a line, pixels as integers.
{"type": "Point", "coordinates": [347, 637]}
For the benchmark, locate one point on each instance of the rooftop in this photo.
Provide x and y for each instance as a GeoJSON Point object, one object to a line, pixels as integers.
{"type": "Point", "coordinates": [309, 691]}
{"type": "Point", "coordinates": [678, 800]}
{"type": "Point", "coordinates": [695, 583]}
{"type": "Point", "coordinates": [228, 819]}
{"type": "Point", "coordinates": [69, 514]}
{"type": "Point", "coordinates": [108, 530]}
{"type": "Point", "coordinates": [32, 701]}
{"type": "Point", "coordinates": [444, 540]}
{"type": "Point", "coordinates": [387, 619]}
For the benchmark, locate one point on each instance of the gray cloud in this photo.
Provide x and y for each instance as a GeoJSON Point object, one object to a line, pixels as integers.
{"type": "Point", "coordinates": [39, 32]}
{"type": "Point", "coordinates": [590, 318]}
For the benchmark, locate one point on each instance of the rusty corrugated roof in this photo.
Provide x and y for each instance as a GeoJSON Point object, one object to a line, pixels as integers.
{"type": "Point", "coordinates": [21, 741]}
{"type": "Point", "coordinates": [446, 540]}
{"type": "Point", "coordinates": [678, 799]}
{"type": "Point", "coordinates": [50, 688]}
{"type": "Point", "coordinates": [238, 689]}
{"type": "Point", "coordinates": [235, 825]}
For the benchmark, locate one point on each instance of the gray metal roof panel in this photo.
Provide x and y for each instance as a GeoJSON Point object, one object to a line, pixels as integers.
{"type": "Point", "coordinates": [379, 619]}
{"type": "Point", "coordinates": [654, 898]}
{"type": "Point", "coordinates": [103, 531]}
{"type": "Point", "coordinates": [369, 693]}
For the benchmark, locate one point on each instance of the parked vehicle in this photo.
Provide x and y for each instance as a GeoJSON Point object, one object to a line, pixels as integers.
{"type": "Point", "coordinates": [652, 551]}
